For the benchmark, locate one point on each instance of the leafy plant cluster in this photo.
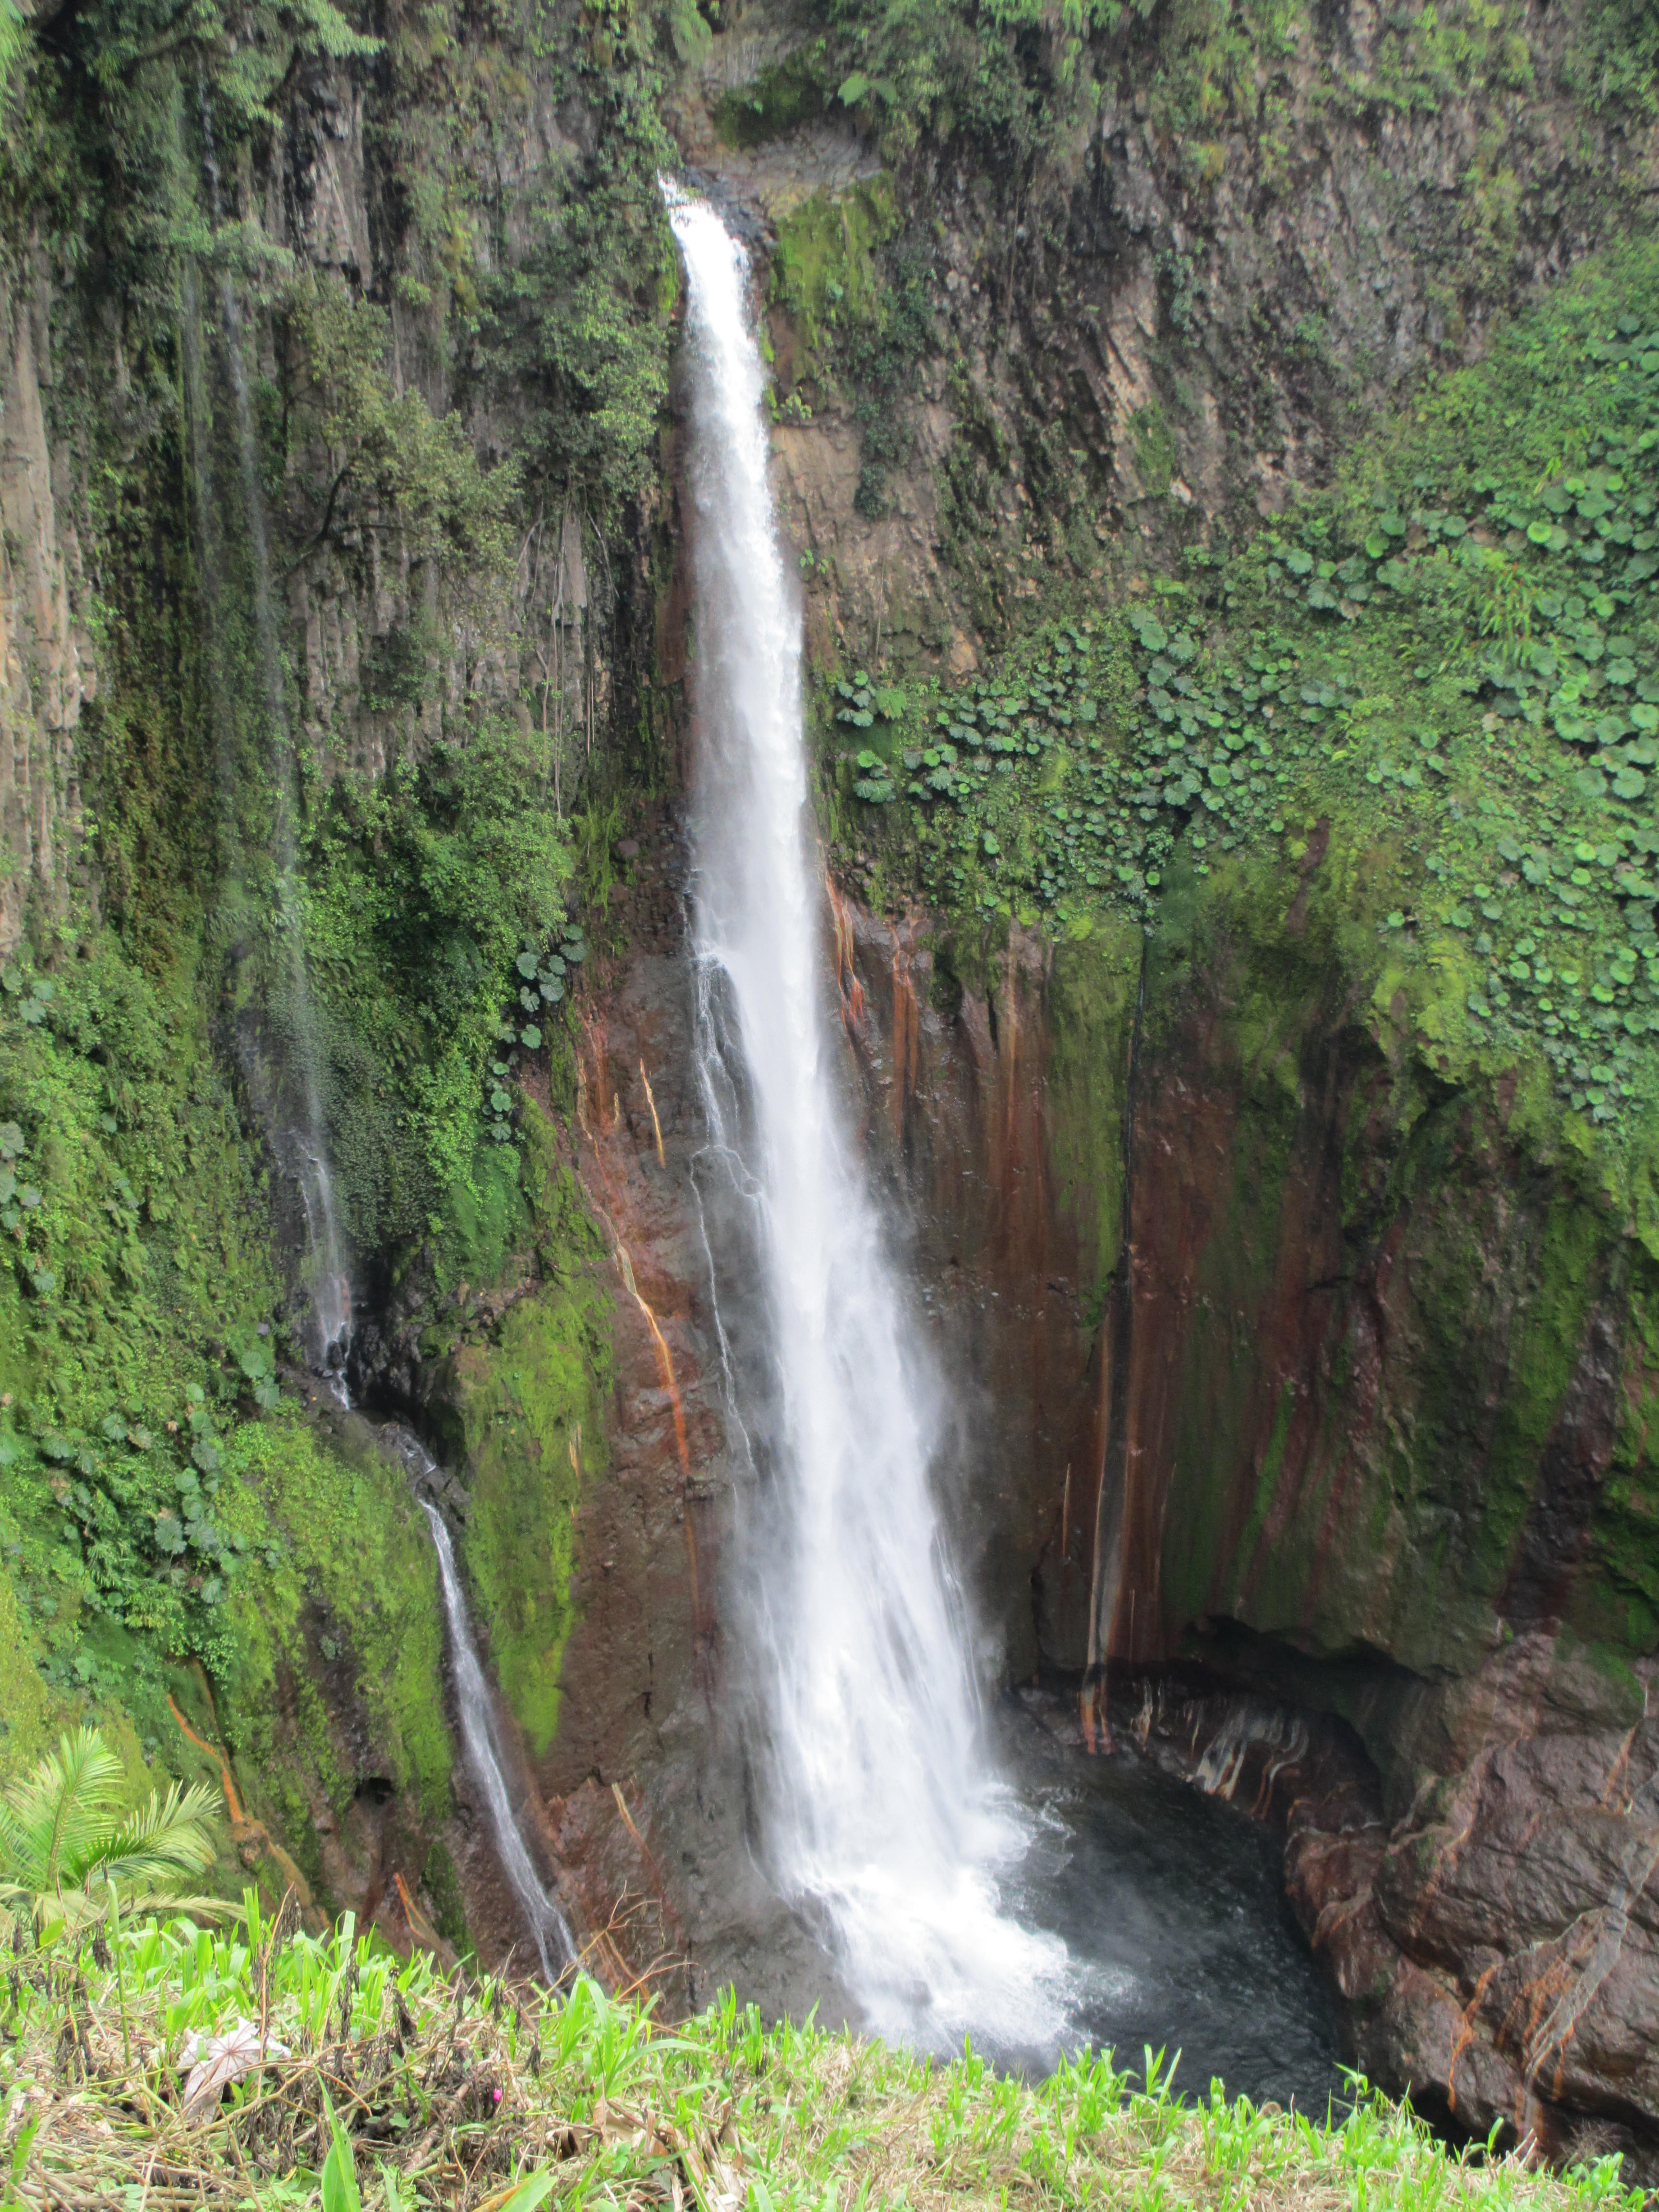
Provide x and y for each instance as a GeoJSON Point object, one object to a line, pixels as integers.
{"type": "Point", "coordinates": [424, 887]}
{"type": "Point", "coordinates": [91, 144]}
{"type": "Point", "coordinates": [1013, 792]}
{"type": "Point", "coordinates": [1001, 74]}
{"type": "Point", "coordinates": [123, 1175]}
{"type": "Point", "coordinates": [777, 101]}
{"type": "Point", "coordinates": [1425, 59]}
{"type": "Point", "coordinates": [369, 459]}
{"type": "Point", "coordinates": [543, 976]}
{"type": "Point", "coordinates": [324, 2071]}
{"type": "Point", "coordinates": [1613, 59]}
{"type": "Point", "coordinates": [132, 1304]}
{"type": "Point", "coordinates": [1458, 648]}
{"type": "Point", "coordinates": [118, 1523]}
{"type": "Point", "coordinates": [576, 321]}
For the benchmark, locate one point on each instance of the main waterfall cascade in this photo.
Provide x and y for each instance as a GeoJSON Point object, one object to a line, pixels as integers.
{"type": "Point", "coordinates": [885, 1821]}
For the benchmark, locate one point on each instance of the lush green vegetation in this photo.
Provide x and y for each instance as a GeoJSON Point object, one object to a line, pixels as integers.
{"type": "Point", "coordinates": [130, 1315]}
{"type": "Point", "coordinates": [270, 2068]}
{"type": "Point", "coordinates": [435, 928]}
{"type": "Point", "coordinates": [1005, 82]}
{"type": "Point", "coordinates": [1450, 662]}
{"type": "Point", "coordinates": [338, 1606]}
{"type": "Point", "coordinates": [530, 1404]}
{"type": "Point", "coordinates": [1444, 668]}
{"type": "Point", "coordinates": [71, 1854]}
{"type": "Point", "coordinates": [174, 1539]}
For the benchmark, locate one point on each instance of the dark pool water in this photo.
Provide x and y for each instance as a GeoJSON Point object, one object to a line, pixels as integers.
{"type": "Point", "coordinates": [1171, 1905]}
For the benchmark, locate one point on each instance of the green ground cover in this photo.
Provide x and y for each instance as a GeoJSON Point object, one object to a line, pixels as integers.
{"type": "Point", "coordinates": [391, 2084]}
{"type": "Point", "coordinates": [1445, 669]}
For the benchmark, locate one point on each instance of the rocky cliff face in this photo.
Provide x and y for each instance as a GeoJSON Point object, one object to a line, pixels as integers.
{"type": "Point", "coordinates": [1236, 244]}
{"type": "Point", "coordinates": [48, 663]}
{"type": "Point", "coordinates": [1288, 1343]}
{"type": "Point", "coordinates": [1284, 1346]}
{"type": "Point", "coordinates": [1268, 1361]}
{"type": "Point", "coordinates": [1308, 1366]}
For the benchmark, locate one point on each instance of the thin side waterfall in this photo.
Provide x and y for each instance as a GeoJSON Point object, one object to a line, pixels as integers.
{"type": "Point", "coordinates": [884, 1822]}
{"type": "Point", "coordinates": [302, 1141]}
{"type": "Point", "coordinates": [546, 1923]}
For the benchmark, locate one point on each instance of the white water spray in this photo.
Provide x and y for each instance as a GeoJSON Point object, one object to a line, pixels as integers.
{"type": "Point", "coordinates": [546, 1923]}
{"type": "Point", "coordinates": [883, 1819]}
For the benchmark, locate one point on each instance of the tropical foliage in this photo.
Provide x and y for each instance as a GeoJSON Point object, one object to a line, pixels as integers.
{"type": "Point", "coordinates": [69, 1855]}
{"type": "Point", "coordinates": [1453, 658]}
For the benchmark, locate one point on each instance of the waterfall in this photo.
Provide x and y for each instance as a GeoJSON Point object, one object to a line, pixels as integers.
{"type": "Point", "coordinates": [300, 1137]}
{"type": "Point", "coordinates": [883, 1821]}
{"type": "Point", "coordinates": [546, 1923]}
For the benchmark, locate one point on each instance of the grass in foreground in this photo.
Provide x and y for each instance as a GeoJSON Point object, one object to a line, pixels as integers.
{"type": "Point", "coordinates": [131, 2075]}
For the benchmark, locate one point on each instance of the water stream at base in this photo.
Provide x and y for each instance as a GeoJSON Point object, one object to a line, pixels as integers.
{"type": "Point", "coordinates": [886, 1821]}
{"type": "Point", "coordinates": [547, 1924]}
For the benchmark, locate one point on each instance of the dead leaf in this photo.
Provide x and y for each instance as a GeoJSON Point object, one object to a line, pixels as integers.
{"type": "Point", "coordinates": [219, 2060]}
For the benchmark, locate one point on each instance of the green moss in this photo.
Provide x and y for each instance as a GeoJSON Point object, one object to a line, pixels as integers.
{"type": "Point", "coordinates": [484, 1219]}
{"type": "Point", "coordinates": [1619, 1603]}
{"type": "Point", "coordinates": [338, 1669]}
{"type": "Point", "coordinates": [776, 102]}
{"type": "Point", "coordinates": [1267, 1489]}
{"type": "Point", "coordinates": [1154, 448]}
{"type": "Point", "coordinates": [532, 1407]}
{"type": "Point", "coordinates": [824, 272]}
{"type": "Point", "coordinates": [120, 1202]}
{"type": "Point", "coordinates": [1502, 1245]}
{"type": "Point", "coordinates": [30, 1715]}
{"type": "Point", "coordinates": [1092, 994]}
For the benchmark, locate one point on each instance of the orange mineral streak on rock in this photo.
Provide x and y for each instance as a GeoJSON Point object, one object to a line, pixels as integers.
{"type": "Point", "coordinates": [656, 1126]}
{"type": "Point", "coordinates": [626, 1202]}
{"type": "Point", "coordinates": [419, 1926]}
{"type": "Point", "coordinates": [665, 1358]}
{"type": "Point", "coordinates": [848, 987]}
{"type": "Point", "coordinates": [233, 1803]}
{"type": "Point", "coordinates": [1465, 2035]}
{"type": "Point", "coordinates": [253, 1840]}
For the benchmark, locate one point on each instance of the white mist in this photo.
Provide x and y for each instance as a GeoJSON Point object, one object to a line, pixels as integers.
{"type": "Point", "coordinates": [883, 1820]}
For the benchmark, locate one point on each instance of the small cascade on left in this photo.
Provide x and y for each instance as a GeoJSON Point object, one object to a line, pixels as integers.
{"type": "Point", "coordinates": [547, 1924]}
{"type": "Point", "coordinates": [290, 1090]}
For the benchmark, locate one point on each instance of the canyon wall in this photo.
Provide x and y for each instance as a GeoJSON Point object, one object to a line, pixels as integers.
{"type": "Point", "coordinates": [1287, 1355]}
{"type": "Point", "coordinates": [1294, 1352]}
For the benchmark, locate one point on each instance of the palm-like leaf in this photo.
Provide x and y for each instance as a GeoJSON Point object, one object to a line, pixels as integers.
{"type": "Point", "coordinates": [56, 1814]}
{"type": "Point", "coordinates": [63, 1847]}
{"type": "Point", "coordinates": [158, 1843]}
{"type": "Point", "coordinates": [80, 1909]}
